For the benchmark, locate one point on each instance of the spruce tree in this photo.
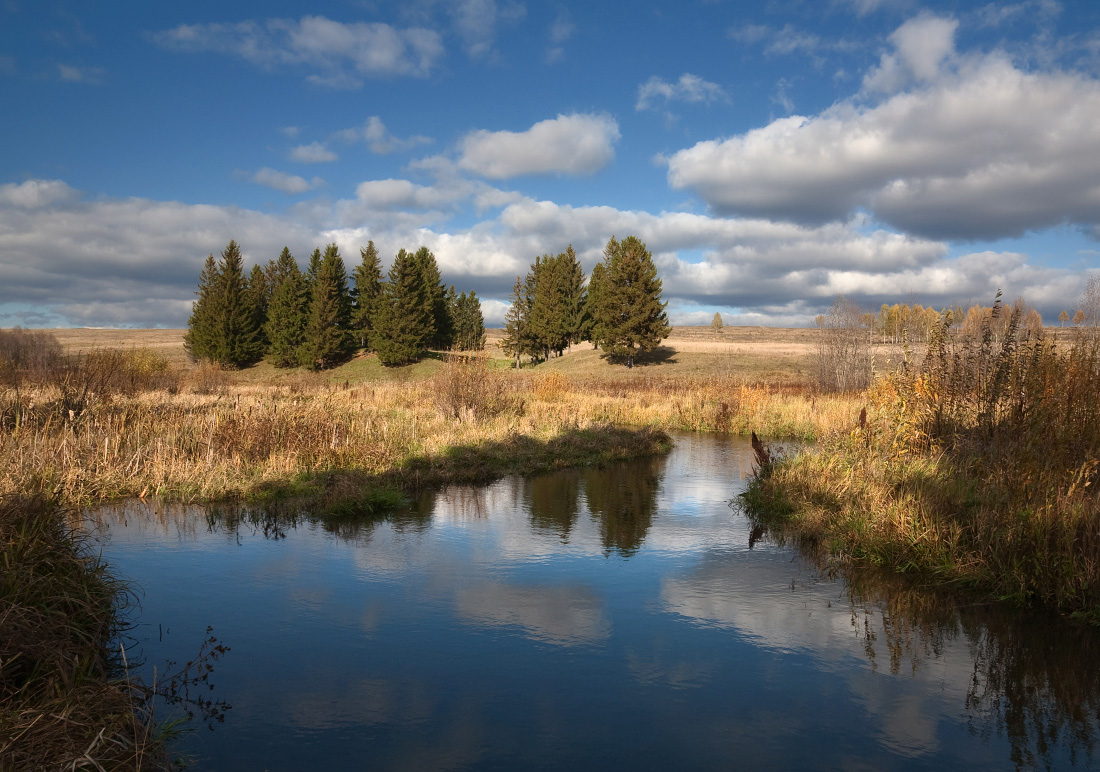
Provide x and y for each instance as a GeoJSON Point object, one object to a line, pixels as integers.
{"type": "Point", "coordinates": [368, 286]}
{"type": "Point", "coordinates": [201, 326]}
{"type": "Point", "coordinates": [516, 334]}
{"type": "Point", "coordinates": [403, 323]}
{"type": "Point", "coordinates": [435, 299]}
{"type": "Point", "coordinates": [239, 342]}
{"type": "Point", "coordinates": [287, 312]}
{"type": "Point", "coordinates": [592, 327]}
{"type": "Point", "coordinates": [631, 313]}
{"type": "Point", "coordinates": [257, 297]}
{"type": "Point", "coordinates": [469, 323]}
{"type": "Point", "coordinates": [327, 339]}
{"type": "Point", "coordinates": [573, 295]}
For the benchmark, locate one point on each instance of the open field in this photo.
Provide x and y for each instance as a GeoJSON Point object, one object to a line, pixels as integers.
{"type": "Point", "coordinates": [757, 355]}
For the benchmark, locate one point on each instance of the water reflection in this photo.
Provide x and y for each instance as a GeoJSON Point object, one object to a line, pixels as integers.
{"type": "Point", "coordinates": [485, 627]}
{"type": "Point", "coordinates": [624, 499]}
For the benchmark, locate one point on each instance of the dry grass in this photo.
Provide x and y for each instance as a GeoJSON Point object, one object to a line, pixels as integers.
{"type": "Point", "coordinates": [980, 469]}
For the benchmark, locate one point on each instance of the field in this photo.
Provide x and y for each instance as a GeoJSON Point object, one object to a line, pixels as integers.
{"type": "Point", "coordinates": [754, 355]}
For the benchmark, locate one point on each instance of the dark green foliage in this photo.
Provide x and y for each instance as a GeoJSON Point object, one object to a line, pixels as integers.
{"type": "Point", "coordinates": [435, 299]}
{"type": "Point", "coordinates": [287, 311]}
{"type": "Point", "coordinates": [222, 328]}
{"type": "Point", "coordinates": [469, 323]}
{"type": "Point", "coordinates": [591, 327]}
{"type": "Point", "coordinates": [403, 323]}
{"type": "Point", "coordinates": [368, 288]}
{"type": "Point", "coordinates": [201, 327]}
{"type": "Point", "coordinates": [519, 340]}
{"type": "Point", "coordinates": [328, 340]}
{"type": "Point", "coordinates": [631, 314]}
{"type": "Point", "coordinates": [257, 297]}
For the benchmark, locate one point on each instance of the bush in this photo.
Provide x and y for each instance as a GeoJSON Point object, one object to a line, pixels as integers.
{"type": "Point", "coordinates": [470, 386]}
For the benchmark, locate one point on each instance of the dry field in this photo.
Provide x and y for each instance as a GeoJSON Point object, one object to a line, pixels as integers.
{"type": "Point", "coordinates": [772, 355]}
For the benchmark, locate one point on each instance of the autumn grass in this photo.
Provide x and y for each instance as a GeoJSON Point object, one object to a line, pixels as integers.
{"type": "Point", "coordinates": [977, 470]}
{"type": "Point", "coordinates": [64, 700]}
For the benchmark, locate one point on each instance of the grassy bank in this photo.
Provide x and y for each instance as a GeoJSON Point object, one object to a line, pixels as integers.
{"type": "Point", "coordinates": [980, 469]}
{"type": "Point", "coordinates": [64, 701]}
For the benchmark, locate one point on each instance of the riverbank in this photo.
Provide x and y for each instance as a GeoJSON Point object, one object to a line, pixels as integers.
{"type": "Point", "coordinates": [980, 470]}
{"type": "Point", "coordinates": [64, 699]}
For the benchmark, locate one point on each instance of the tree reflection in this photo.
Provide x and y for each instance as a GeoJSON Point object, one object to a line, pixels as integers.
{"type": "Point", "coordinates": [623, 497]}
{"type": "Point", "coordinates": [553, 501]}
{"type": "Point", "coordinates": [1034, 678]}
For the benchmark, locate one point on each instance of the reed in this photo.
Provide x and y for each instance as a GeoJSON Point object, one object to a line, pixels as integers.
{"type": "Point", "coordinates": [979, 468]}
{"type": "Point", "coordinates": [63, 701]}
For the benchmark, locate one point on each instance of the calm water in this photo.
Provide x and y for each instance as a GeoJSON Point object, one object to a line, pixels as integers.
{"type": "Point", "coordinates": [606, 619]}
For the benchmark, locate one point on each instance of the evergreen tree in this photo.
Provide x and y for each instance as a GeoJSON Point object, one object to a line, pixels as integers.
{"type": "Point", "coordinates": [257, 297]}
{"type": "Point", "coordinates": [368, 287]}
{"type": "Point", "coordinates": [435, 299]}
{"type": "Point", "coordinates": [574, 295]}
{"type": "Point", "coordinates": [469, 323]}
{"type": "Point", "coordinates": [591, 327]}
{"type": "Point", "coordinates": [327, 338]}
{"type": "Point", "coordinates": [631, 313]}
{"type": "Point", "coordinates": [547, 319]}
{"type": "Point", "coordinates": [517, 336]}
{"type": "Point", "coordinates": [403, 323]}
{"type": "Point", "coordinates": [287, 312]}
{"type": "Point", "coordinates": [222, 329]}
{"type": "Point", "coordinates": [201, 326]}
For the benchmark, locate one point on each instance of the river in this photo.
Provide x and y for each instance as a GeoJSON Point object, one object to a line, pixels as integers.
{"type": "Point", "coordinates": [618, 618]}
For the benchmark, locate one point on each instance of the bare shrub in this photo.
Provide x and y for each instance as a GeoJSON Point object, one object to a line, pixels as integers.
{"type": "Point", "coordinates": [25, 355]}
{"type": "Point", "coordinates": [208, 378]}
{"type": "Point", "coordinates": [470, 385]}
{"type": "Point", "coordinates": [842, 361]}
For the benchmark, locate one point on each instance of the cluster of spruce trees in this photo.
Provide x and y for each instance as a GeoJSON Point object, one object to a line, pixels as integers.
{"type": "Point", "coordinates": [317, 319]}
{"type": "Point", "coordinates": [620, 309]}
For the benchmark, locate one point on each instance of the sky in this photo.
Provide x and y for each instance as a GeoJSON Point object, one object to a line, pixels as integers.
{"type": "Point", "coordinates": [771, 155]}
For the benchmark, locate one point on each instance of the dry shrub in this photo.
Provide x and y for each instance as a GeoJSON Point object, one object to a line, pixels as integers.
{"type": "Point", "coordinates": [471, 386]}
{"type": "Point", "coordinates": [552, 385]}
{"type": "Point", "coordinates": [208, 378]}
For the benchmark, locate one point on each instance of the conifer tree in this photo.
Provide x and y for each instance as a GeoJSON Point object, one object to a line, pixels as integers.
{"type": "Point", "coordinates": [631, 312]}
{"type": "Point", "coordinates": [592, 328]}
{"type": "Point", "coordinates": [287, 311]}
{"type": "Point", "coordinates": [201, 326]}
{"type": "Point", "coordinates": [257, 298]}
{"type": "Point", "coordinates": [368, 286]}
{"type": "Point", "coordinates": [469, 323]}
{"type": "Point", "coordinates": [517, 337]}
{"type": "Point", "coordinates": [327, 338]}
{"type": "Point", "coordinates": [403, 323]}
{"type": "Point", "coordinates": [435, 299]}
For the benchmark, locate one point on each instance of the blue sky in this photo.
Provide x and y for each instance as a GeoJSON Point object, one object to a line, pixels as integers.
{"type": "Point", "coordinates": [771, 155]}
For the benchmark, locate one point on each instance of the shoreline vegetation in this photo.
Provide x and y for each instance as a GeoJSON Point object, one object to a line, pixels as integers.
{"type": "Point", "coordinates": [992, 441]}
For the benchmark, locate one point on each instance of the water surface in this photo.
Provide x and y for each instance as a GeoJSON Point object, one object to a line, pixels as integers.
{"type": "Point", "coordinates": [613, 618]}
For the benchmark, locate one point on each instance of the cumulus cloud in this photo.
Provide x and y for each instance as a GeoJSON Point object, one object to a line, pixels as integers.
{"type": "Point", "coordinates": [288, 183]}
{"type": "Point", "coordinates": [379, 139]}
{"type": "Point", "coordinates": [313, 153]}
{"type": "Point", "coordinates": [689, 88]}
{"type": "Point", "coordinates": [342, 54]}
{"type": "Point", "coordinates": [576, 144]}
{"type": "Point", "coordinates": [100, 261]}
{"type": "Point", "coordinates": [985, 150]}
{"type": "Point", "coordinates": [921, 45]}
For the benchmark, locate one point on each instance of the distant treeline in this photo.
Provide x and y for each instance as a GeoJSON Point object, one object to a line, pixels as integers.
{"type": "Point", "coordinates": [317, 320]}
{"type": "Point", "coordinates": [620, 308]}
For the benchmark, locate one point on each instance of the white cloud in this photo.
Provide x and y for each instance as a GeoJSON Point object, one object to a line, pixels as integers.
{"type": "Point", "coordinates": [921, 45]}
{"type": "Point", "coordinates": [313, 153]}
{"type": "Point", "coordinates": [983, 151]}
{"type": "Point", "coordinates": [379, 139]}
{"type": "Point", "coordinates": [689, 88]}
{"type": "Point", "coordinates": [90, 75]}
{"type": "Point", "coordinates": [575, 144]}
{"type": "Point", "coordinates": [288, 183]}
{"type": "Point", "coordinates": [560, 32]}
{"type": "Point", "coordinates": [476, 22]}
{"type": "Point", "coordinates": [102, 261]}
{"type": "Point", "coordinates": [343, 53]}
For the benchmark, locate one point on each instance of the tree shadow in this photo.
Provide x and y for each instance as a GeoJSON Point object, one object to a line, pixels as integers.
{"type": "Point", "coordinates": [659, 356]}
